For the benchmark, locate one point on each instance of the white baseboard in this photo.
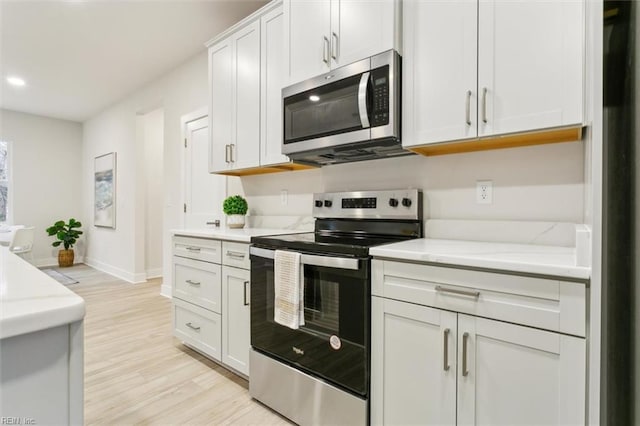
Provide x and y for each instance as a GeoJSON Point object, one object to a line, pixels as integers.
{"type": "Point", "coordinates": [116, 272]}
{"type": "Point", "coordinates": [165, 290]}
{"type": "Point", "coordinates": [154, 273]}
{"type": "Point", "coordinates": [53, 261]}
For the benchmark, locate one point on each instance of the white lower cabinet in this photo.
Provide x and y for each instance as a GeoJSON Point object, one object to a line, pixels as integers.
{"type": "Point", "coordinates": [236, 338]}
{"type": "Point", "coordinates": [432, 366]}
{"type": "Point", "coordinates": [211, 299]}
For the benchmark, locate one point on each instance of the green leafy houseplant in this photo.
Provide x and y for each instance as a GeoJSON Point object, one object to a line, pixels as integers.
{"type": "Point", "coordinates": [235, 207]}
{"type": "Point", "coordinates": [67, 235]}
{"type": "Point", "coordinates": [235, 204]}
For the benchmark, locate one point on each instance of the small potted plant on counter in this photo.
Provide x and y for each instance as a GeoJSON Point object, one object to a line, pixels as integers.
{"type": "Point", "coordinates": [235, 207]}
{"type": "Point", "coordinates": [67, 234]}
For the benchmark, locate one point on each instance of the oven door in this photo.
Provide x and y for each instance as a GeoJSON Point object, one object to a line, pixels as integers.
{"type": "Point", "coordinates": [334, 342]}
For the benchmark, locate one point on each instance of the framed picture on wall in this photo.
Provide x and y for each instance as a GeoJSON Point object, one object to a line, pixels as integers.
{"type": "Point", "coordinates": [104, 204]}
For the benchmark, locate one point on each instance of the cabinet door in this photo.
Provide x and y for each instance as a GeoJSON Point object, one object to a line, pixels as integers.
{"type": "Point", "coordinates": [235, 318]}
{"type": "Point", "coordinates": [439, 72]}
{"type": "Point", "coordinates": [307, 31]}
{"type": "Point", "coordinates": [220, 104]}
{"type": "Point", "coordinates": [245, 149]}
{"type": "Point", "coordinates": [413, 364]}
{"type": "Point", "coordinates": [360, 29]}
{"type": "Point", "coordinates": [530, 65]}
{"type": "Point", "coordinates": [515, 375]}
{"type": "Point", "coordinates": [272, 78]}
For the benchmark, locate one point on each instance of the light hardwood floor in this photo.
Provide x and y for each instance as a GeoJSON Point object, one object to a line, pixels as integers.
{"type": "Point", "coordinates": [136, 372]}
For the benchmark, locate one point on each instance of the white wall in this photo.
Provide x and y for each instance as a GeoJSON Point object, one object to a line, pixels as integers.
{"type": "Point", "coordinates": [47, 158]}
{"type": "Point", "coordinates": [154, 189]}
{"type": "Point", "coordinates": [122, 251]}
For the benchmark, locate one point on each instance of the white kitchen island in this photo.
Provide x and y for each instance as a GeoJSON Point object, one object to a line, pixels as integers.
{"type": "Point", "coordinates": [41, 347]}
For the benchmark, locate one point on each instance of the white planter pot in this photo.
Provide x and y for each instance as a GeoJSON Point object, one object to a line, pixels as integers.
{"type": "Point", "coordinates": [235, 221]}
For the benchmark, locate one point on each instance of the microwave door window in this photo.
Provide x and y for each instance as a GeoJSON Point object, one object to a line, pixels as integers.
{"type": "Point", "coordinates": [325, 111]}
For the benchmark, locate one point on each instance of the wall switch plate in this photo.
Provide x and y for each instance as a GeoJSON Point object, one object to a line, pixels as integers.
{"type": "Point", "coordinates": [484, 192]}
{"type": "Point", "coordinates": [284, 197]}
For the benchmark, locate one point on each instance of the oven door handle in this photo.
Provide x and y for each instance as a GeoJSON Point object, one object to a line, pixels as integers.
{"type": "Point", "coordinates": [312, 260]}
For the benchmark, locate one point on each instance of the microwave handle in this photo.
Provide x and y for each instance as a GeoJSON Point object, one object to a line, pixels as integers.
{"type": "Point", "coordinates": [362, 100]}
{"type": "Point", "coordinates": [312, 260]}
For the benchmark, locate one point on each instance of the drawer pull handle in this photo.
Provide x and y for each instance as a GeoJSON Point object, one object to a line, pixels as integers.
{"type": "Point", "coordinates": [197, 283]}
{"type": "Point", "coordinates": [193, 327]}
{"type": "Point", "coordinates": [194, 249]}
{"type": "Point", "coordinates": [445, 365]}
{"type": "Point", "coordinates": [465, 339]}
{"type": "Point", "coordinates": [474, 294]}
{"type": "Point", "coordinates": [246, 303]}
{"type": "Point", "coordinates": [236, 254]}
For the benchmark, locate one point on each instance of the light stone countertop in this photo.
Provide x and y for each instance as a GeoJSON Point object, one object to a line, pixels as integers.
{"type": "Point", "coordinates": [523, 258]}
{"type": "Point", "coordinates": [239, 235]}
{"type": "Point", "coordinates": [31, 300]}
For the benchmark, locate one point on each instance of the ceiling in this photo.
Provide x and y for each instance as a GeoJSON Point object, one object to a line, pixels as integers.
{"type": "Point", "coordinates": [78, 57]}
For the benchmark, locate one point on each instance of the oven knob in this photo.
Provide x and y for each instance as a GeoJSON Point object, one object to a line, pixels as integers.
{"type": "Point", "coordinates": [327, 203]}
{"type": "Point", "coordinates": [393, 202]}
{"type": "Point", "coordinates": [406, 202]}
{"type": "Point", "coordinates": [318, 203]}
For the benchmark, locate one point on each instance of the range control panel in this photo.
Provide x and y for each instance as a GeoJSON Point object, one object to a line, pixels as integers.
{"type": "Point", "coordinates": [389, 204]}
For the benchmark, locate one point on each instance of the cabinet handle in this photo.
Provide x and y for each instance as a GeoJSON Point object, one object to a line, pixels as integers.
{"type": "Point", "coordinates": [484, 104]}
{"type": "Point", "coordinates": [194, 249]}
{"type": "Point", "coordinates": [335, 50]}
{"type": "Point", "coordinates": [325, 50]}
{"type": "Point", "coordinates": [231, 147]}
{"type": "Point", "coordinates": [474, 294]}
{"type": "Point", "coordinates": [245, 293]}
{"type": "Point", "coordinates": [196, 283]}
{"type": "Point", "coordinates": [236, 254]}
{"type": "Point", "coordinates": [193, 327]}
{"type": "Point", "coordinates": [465, 339]}
{"type": "Point", "coordinates": [226, 153]}
{"type": "Point", "coordinates": [468, 108]}
{"type": "Point", "coordinates": [445, 365]}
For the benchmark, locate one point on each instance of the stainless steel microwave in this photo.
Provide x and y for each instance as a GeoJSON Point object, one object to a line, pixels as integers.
{"type": "Point", "coordinates": [349, 114]}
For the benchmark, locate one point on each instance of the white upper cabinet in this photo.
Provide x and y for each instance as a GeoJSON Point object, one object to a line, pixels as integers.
{"type": "Point", "coordinates": [530, 62]}
{"type": "Point", "coordinates": [234, 76]}
{"type": "Point", "coordinates": [272, 81]}
{"type": "Point", "coordinates": [440, 76]}
{"type": "Point", "coordinates": [326, 34]}
{"type": "Point", "coordinates": [479, 68]}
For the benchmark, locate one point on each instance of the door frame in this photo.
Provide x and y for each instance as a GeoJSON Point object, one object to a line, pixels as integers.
{"type": "Point", "coordinates": [198, 114]}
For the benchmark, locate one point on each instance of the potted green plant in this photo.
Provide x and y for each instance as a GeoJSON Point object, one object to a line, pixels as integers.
{"type": "Point", "coordinates": [235, 207]}
{"type": "Point", "coordinates": [67, 235]}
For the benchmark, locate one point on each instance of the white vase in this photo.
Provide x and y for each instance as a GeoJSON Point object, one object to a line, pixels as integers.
{"type": "Point", "coordinates": [235, 221]}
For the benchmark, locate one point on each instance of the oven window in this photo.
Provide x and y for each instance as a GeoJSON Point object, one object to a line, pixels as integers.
{"type": "Point", "coordinates": [321, 302]}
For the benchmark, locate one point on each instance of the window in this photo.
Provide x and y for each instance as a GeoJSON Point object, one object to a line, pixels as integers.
{"type": "Point", "coordinates": [4, 181]}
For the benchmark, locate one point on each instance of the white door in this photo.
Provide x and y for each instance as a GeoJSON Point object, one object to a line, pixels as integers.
{"type": "Point", "coordinates": [221, 92]}
{"type": "Point", "coordinates": [530, 64]}
{"type": "Point", "coordinates": [360, 29]}
{"type": "Point", "coordinates": [245, 146]}
{"type": "Point", "coordinates": [413, 364]}
{"type": "Point", "coordinates": [236, 340]}
{"type": "Point", "coordinates": [203, 192]}
{"type": "Point", "coordinates": [514, 375]}
{"type": "Point", "coordinates": [307, 30]}
{"type": "Point", "coordinates": [439, 71]}
{"type": "Point", "coordinates": [272, 82]}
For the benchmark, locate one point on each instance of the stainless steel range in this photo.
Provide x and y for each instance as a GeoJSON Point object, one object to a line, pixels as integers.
{"type": "Point", "coordinates": [319, 373]}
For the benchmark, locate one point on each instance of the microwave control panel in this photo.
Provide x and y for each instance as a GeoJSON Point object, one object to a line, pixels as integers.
{"type": "Point", "coordinates": [380, 84]}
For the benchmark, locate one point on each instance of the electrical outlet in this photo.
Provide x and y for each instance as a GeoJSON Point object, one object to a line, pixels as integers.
{"type": "Point", "coordinates": [484, 192]}
{"type": "Point", "coordinates": [284, 197]}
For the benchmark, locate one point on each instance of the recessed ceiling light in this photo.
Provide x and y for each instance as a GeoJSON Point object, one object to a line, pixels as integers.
{"type": "Point", "coordinates": [314, 98]}
{"type": "Point", "coordinates": [15, 81]}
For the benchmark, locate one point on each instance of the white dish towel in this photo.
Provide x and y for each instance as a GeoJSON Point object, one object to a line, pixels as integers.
{"type": "Point", "coordinates": [289, 289]}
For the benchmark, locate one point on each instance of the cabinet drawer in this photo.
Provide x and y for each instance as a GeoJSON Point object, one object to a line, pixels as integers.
{"type": "Point", "coordinates": [197, 327]}
{"type": "Point", "coordinates": [197, 282]}
{"type": "Point", "coordinates": [236, 254]}
{"type": "Point", "coordinates": [197, 248]}
{"type": "Point", "coordinates": [537, 302]}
